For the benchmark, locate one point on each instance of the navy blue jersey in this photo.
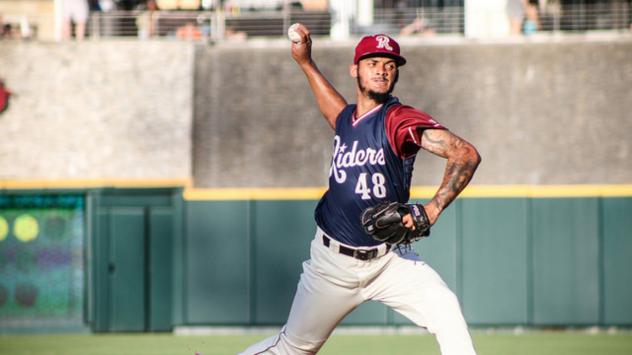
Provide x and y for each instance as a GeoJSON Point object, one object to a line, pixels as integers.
{"type": "Point", "coordinates": [364, 171]}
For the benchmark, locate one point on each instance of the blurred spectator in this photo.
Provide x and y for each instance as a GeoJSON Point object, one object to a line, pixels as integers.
{"type": "Point", "coordinates": [296, 6]}
{"type": "Point", "coordinates": [532, 22]}
{"type": "Point", "coordinates": [231, 7]}
{"type": "Point", "coordinates": [26, 32]}
{"type": "Point", "coordinates": [74, 11]}
{"type": "Point", "coordinates": [523, 16]}
{"type": "Point", "coordinates": [189, 32]}
{"type": "Point", "coordinates": [6, 29]}
{"type": "Point", "coordinates": [106, 5]}
{"type": "Point", "coordinates": [126, 5]}
{"type": "Point", "coordinates": [516, 10]}
{"type": "Point", "coordinates": [94, 5]}
{"type": "Point", "coordinates": [233, 35]}
{"type": "Point", "coordinates": [204, 23]}
{"type": "Point", "coordinates": [147, 20]}
{"type": "Point", "coordinates": [10, 31]}
{"type": "Point", "coordinates": [419, 27]}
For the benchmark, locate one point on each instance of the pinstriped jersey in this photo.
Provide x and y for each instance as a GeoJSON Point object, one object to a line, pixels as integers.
{"type": "Point", "coordinates": [365, 170]}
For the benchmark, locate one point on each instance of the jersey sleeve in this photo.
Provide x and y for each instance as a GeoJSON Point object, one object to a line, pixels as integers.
{"type": "Point", "coordinates": [402, 123]}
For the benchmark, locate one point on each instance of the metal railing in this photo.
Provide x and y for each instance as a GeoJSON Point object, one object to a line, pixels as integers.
{"type": "Point", "coordinates": [205, 24]}
{"type": "Point", "coordinates": [415, 21]}
{"type": "Point", "coordinates": [401, 21]}
{"type": "Point", "coordinates": [221, 25]}
{"type": "Point", "coordinates": [610, 15]}
{"type": "Point", "coordinates": [148, 24]}
{"type": "Point", "coordinates": [276, 23]}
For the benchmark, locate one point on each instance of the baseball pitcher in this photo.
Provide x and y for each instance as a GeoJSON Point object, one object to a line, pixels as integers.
{"type": "Point", "coordinates": [361, 250]}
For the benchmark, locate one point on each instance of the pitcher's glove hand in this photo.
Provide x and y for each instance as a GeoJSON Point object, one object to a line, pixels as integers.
{"type": "Point", "coordinates": [384, 222]}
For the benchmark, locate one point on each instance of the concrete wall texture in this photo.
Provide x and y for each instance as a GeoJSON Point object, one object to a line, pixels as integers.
{"type": "Point", "coordinates": [539, 113]}
{"type": "Point", "coordinates": [555, 111]}
{"type": "Point", "coordinates": [96, 110]}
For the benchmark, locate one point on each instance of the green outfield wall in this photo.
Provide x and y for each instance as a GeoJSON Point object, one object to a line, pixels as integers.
{"type": "Point", "coordinates": [512, 261]}
{"type": "Point", "coordinates": [138, 260]}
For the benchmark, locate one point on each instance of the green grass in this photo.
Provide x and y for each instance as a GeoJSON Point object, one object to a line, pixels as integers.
{"type": "Point", "coordinates": [531, 343]}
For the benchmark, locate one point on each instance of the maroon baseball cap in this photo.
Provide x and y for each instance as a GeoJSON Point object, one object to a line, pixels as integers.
{"type": "Point", "coordinates": [378, 45]}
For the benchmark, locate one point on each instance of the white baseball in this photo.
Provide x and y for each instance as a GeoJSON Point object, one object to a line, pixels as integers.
{"type": "Point", "coordinates": [293, 35]}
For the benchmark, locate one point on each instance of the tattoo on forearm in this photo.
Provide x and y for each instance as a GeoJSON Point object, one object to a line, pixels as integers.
{"type": "Point", "coordinates": [457, 175]}
{"type": "Point", "coordinates": [463, 159]}
{"type": "Point", "coordinates": [462, 162]}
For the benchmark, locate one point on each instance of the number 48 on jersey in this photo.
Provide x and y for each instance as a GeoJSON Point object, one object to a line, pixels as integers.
{"type": "Point", "coordinates": [375, 186]}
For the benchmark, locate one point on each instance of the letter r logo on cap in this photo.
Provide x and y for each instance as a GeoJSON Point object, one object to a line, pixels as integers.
{"type": "Point", "coordinates": [382, 42]}
{"type": "Point", "coordinates": [378, 45]}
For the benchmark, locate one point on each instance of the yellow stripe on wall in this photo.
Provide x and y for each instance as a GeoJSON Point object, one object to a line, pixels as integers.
{"type": "Point", "coordinates": [416, 192]}
{"type": "Point", "coordinates": [310, 193]}
{"type": "Point", "coordinates": [315, 193]}
{"type": "Point", "coordinates": [92, 183]}
{"type": "Point", "coordinates": [543, 191]}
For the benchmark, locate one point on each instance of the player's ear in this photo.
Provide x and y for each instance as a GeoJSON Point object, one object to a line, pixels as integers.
{"type": "Point", "coordinates": [353, 70]}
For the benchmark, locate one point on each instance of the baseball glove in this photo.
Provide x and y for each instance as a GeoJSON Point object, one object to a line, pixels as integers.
{"type": "Point", "coordinates": [384, 222]}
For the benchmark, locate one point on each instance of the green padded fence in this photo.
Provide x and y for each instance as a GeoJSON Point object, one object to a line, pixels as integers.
{"type": "Point", "coordinates": [149, 260]}
{"type": "Point", "coordinates": [512, 261]}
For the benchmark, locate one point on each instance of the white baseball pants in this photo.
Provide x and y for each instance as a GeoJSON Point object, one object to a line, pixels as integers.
{"type": "Point", "coordinates": [332, 285]}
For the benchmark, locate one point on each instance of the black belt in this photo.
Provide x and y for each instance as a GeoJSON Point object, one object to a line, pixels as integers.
{"type": "Point", "coordinates": [360, 254]}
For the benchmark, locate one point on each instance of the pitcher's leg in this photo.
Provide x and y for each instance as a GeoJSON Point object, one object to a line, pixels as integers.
{"type": "Point", "coordinates": [318, 306]}
{"type": "Point", "coordinates": [415, 290]}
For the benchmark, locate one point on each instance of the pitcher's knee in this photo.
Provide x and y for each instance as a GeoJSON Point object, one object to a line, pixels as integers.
{"type": "Point", "coordinates": [301, 345]}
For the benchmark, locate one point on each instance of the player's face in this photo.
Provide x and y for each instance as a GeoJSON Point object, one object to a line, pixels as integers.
{"type": "Point", "coordinates": [376, 77]}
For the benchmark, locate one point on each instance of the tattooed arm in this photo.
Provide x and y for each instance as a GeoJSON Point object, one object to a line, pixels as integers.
{"type": "Point", "coordinates": [463, 159]}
